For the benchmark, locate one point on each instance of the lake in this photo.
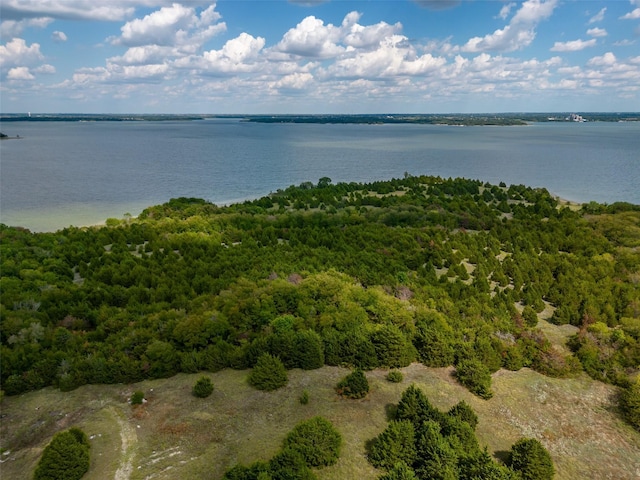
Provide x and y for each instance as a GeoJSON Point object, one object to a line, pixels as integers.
{"type": "Point", "coordinates": [81, 173]}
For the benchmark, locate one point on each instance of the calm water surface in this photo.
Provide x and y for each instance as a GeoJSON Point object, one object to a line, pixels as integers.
{"type": "Point", "coordinates": [64, 173]}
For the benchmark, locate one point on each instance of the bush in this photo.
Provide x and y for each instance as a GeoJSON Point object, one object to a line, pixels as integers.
{"type": "Point", "coordinates": [395, 376]}
{"type": "Point", "coordinates": [531, 460]}
{"type": "Point", "coordinates": [354, 385]}
{"type": "Point", "coordinates": [268, 374]}
{"type": "Point", "coordinates": [304, 398]}
{"type": "Point", "coordinates": [137, 398]}
{"type": "Point", "coordinates": [316, 440]}
{"type": "Point", "coordinates": [474, 375]}
{"type": "Point", "coordinates": [203, 387]}
{"type": "Point", "coordinates": [65, 458]}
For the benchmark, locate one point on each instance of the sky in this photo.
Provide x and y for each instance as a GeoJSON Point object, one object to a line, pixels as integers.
{"type": "Point", "coordinates": [314, 56]}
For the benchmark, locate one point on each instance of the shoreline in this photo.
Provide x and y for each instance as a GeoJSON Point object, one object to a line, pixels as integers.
{"type": "Point", "coordinates": [562, 202]}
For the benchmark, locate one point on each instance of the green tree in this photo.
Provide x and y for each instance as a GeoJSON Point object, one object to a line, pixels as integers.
{"type": "Point", "coordinates": [203, 387]}
{"type": "Point", "coordinates": [531, 460]}
{"type": "Point", "coordinates": [268, 374]}
{"type": "Point", "coordinates": [354, 385]}
{"type": "Point", "coordinates": [308, 350]}
{"type": "Point", "coordinates": [395, 444]}
{"type": "Point", "coordinates": [436, 458]}
{"type": "Point", "coordinates": [474, 375]}
{"type": "Point", "coordinates": [463, 411]}
{"type": "Point", "coordinates": [65, 458]}
{"type": "Point", "coordinates": [392, 347]}
{"type": "Point", "coordinates": [415, 407]}
{"type": "Point", "coordinates": [530, 317]}
{"type": "Point", "coordinates": [434, 346]}
{"type": "Point", "coordinates": [163, 359]}
{"type": "Point", "coordinates": [400, 471]}
{"type": "Point", "coordinates": [290, 464]}
{"type": "Point", "coordinates": [316, 440]}
{"type": "Point", "coordinates": [630, 403]}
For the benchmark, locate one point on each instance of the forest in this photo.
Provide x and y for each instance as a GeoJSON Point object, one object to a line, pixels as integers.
{"type": "Point", "coordinates": [365, 275]}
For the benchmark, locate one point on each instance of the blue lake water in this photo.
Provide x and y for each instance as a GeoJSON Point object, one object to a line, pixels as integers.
{"type": "Point", "coordinates": [80, 173]}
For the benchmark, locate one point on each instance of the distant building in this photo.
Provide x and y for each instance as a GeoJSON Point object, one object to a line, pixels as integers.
{"type": "Point", "coordinates": [575, 118]}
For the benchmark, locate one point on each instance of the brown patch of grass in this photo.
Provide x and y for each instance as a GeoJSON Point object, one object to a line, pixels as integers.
{"type": "Point", "coordinates": [181, 436]}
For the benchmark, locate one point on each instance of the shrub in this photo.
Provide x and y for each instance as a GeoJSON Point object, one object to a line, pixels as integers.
{"type": "Point", "coordinates": [354, 385]}
{"type": "Point", "coordinates": [268, 374]}
{"type": "Point", "coordinates": [65, 458]}
{"type": "Point", "coordinates": [531, 459]}
{"type": "Point", "coordinates": [395, 376]}
{"type": "Point", "coordinates": [474, 375]}
{"type": "Point", "coordinates": [395, 444]}
{"type": "Point", "coordinates": [316, 440]}
{"type": "Point", "coordinates": [304, 398]}
{"type": "Point", "coordinates": [137, 398]}
{"type": "Point", "coordinates": [203, 387]}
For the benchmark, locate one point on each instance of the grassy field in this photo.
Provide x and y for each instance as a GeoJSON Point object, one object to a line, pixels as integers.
{"type": "Point", "coordinates": [175, 435]}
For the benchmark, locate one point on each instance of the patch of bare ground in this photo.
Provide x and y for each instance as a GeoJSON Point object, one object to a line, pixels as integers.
{"type": "Point", "coordinates": [175, 435]}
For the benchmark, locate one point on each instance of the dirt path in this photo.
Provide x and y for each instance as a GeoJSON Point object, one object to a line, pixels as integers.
{"type": "Point", "coordinates": [129, 440]}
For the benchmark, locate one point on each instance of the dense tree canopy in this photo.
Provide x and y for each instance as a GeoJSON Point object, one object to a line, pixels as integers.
{"type": "Point", "coordinates": [366, 275]}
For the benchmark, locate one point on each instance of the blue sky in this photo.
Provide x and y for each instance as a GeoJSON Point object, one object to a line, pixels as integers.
{"type": "Point", "coordinates": [334, 56]}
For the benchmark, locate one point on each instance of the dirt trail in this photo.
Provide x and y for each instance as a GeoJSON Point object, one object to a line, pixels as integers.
{"type": "Point", "coordinates": [129, 441]}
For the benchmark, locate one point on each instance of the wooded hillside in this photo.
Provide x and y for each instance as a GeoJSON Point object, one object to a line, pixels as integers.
{"type": "Point", "coordinates": [442, 271]}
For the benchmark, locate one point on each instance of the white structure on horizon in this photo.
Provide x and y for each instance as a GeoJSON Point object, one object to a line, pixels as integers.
{"type": "Point", "coordinates": [575, 118]}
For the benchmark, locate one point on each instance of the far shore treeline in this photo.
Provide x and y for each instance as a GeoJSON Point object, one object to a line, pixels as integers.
{"type": "Point", "coordinates": [457, 119]}
{"type": "Point", "coordinates": [439, 271]}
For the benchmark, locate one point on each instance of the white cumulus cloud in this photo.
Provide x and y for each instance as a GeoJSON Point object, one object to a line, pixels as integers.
{"type": "Point", "coordinates": [632, 15]}
{"type": "Point", "coordinates": [607, 59]}
{"type": "Point", "coordinates": [14, 28]}
{"type": "Point", "coordinates": [294, 81]}
{"type": "Point", "coordinates": [167, 26]}
{"type": "Point", "coordinates": [59, 37]}
{"type": "Point", "coordinates": [519, 33]}
{"type": "Point", "coordinates": [46, 68]}
{"type": "Point", "coordinates": [573, 45]}
{"type": "Point", "coordinates": [311, 38]}
{"type": "Point", "coordinates": [597, 32]}
{"type": "Point", "coordinates": [20, 73]}
{"type": "Point", "coordinates": [16, 53]}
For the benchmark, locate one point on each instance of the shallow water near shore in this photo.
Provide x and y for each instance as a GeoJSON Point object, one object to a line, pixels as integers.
{"type": "Point", "coordinates": [80, 173]}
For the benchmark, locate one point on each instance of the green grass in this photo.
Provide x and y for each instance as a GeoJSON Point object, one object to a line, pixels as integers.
{"type": "Point", "coordinates": [176, 435]}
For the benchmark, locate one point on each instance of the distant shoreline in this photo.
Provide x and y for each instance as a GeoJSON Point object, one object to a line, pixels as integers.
{"type": "Point", "coordinates": [453, 119]}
